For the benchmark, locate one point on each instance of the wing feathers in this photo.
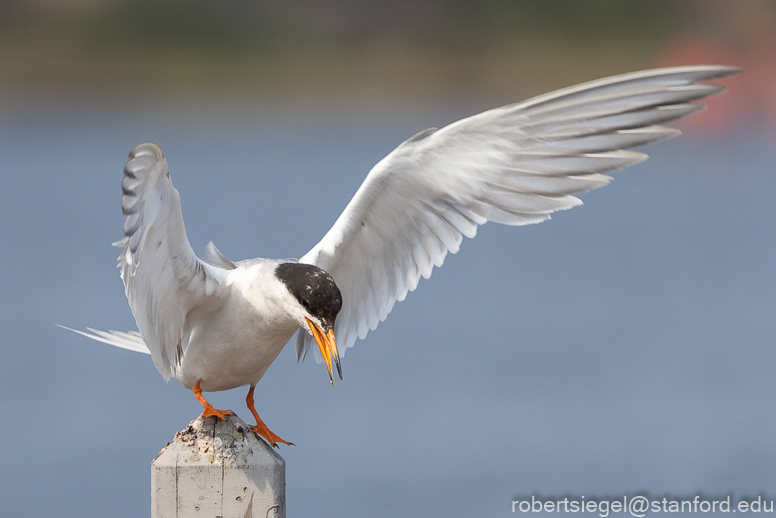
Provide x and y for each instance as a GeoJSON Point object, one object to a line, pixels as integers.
{"type": "Point", "coordinates": [600, 143]}
{"type": "Point", "coordinates": [514, 165]}
{"type": "Point", "coordinates": [549, 185]}
{"type": "Point", "coordinates": [214, 257]}
{"type": "Point", "coordinates": [164, 279]}
{"type": "Point", "coordinates": [456, 219]}
{"type": "Point", "coordinates": [663, 76]}
{"type": "Point", "coordinates": [623, 101]}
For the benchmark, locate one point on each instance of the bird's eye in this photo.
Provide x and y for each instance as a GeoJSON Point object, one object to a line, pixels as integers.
{"type": "Point", "coordinates": [305, 303]}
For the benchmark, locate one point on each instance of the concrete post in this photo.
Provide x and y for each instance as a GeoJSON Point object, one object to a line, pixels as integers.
{"type": "Point", "coordinates": [218, 469]}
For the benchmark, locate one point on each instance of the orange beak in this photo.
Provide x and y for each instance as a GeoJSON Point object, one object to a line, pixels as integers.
{"type": "Point", "coordinates": [328, 346]}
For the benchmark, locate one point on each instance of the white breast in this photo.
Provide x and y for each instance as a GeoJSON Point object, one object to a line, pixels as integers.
{"type": "Point", "coordinates": [235, 345]}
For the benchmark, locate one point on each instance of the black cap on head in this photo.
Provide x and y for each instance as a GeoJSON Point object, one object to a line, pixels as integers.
{"type": "Point", "coordinates": [315, 290]}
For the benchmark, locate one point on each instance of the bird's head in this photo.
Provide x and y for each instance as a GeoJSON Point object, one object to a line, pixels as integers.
{"type": "Point", "coordinates": [319, 301]}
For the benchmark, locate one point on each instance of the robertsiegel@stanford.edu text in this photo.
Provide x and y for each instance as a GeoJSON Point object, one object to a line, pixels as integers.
{"type": "Point", "coordinates": [638, 506]}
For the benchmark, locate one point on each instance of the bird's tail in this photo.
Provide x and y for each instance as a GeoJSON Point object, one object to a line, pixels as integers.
{"type": "Point", "coordinates": [132, 340]}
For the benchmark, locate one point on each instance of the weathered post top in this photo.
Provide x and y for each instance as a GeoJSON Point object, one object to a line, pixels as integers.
{"type": "Point", "coordinates": [218, 468]}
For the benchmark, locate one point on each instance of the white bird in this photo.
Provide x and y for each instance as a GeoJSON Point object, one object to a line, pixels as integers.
{"type": "Point", "coordinates": [214, 324]}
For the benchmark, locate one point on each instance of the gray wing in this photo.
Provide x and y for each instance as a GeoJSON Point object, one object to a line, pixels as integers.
{"type": "Point", "coordinates": [514, 165]}
{"type": "Point", "coordinates": [164, 279]}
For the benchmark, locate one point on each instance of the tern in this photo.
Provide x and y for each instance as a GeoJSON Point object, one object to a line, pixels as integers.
{"type": "Point", "coordinates": [215, 324]}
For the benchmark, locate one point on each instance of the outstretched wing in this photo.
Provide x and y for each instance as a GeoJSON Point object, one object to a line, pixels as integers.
{"type": "Point", "coordinates": [514, 165]}
{"type": "Point", "coordinates": [164, 279]}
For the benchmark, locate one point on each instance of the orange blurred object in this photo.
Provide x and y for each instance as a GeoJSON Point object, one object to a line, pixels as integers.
{"type": "Point", "coordinates": [744, 36]}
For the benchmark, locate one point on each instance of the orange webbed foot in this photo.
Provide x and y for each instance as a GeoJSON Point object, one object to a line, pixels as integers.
{"type": "Point", "coordinates": [209, 410]}
{"type": "Point", "coordinates": [260, 428]}
{"type": "Point", "coordinates": [269, 436]}
{"type": "Point", "coordinates": [221, 414]}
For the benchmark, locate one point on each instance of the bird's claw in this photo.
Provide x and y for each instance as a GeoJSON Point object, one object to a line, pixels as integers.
{"type": "Point", "coordinates": [269, 436]}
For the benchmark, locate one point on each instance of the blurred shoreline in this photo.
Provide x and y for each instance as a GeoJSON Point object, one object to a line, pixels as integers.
{"type": "Point", "coordinates": [348, 55]}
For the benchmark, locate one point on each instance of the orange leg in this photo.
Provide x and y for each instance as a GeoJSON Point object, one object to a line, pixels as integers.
{"type": "Point", "coordinates": [209, 410]}
{"type": "Point", "coordinates": [260, 427]}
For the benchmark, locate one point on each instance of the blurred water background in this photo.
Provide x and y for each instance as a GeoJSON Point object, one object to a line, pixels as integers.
{"type": "Point", "coordinates": [625, 346]}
